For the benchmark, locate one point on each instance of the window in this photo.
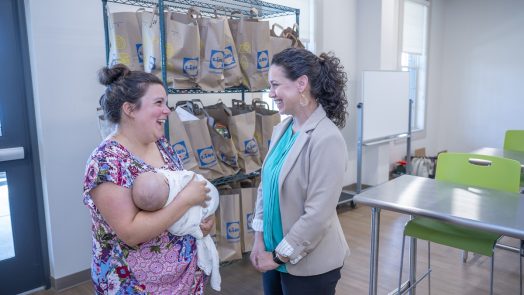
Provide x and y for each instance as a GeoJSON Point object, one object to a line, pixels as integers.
{"type": "Point", "coordinates": [414, 56]}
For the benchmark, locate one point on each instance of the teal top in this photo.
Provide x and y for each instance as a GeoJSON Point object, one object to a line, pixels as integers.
{"type": "Point", "coordinates": [273, 233]}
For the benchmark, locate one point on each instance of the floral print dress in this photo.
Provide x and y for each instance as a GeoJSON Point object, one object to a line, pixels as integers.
{"type": "Point", "coordinates": [166, 264]}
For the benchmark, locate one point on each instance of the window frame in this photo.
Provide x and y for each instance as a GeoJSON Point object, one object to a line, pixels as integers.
{"type": "Point", "coordinates": [419, 113]}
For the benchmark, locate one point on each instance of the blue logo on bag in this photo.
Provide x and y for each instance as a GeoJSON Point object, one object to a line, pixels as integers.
{"type": "Point", "coordinates": [152, 63]}
{"type": "Point", "coordinates": [229, 58]}
{"type": "Point", "coordinates": [249, 218]}
{"type": "Point", "coordinates": [233, 230]}
{"type": "Point", "coordinates": [230, 160]}
{"type": "Point", "coordinates": [206, 157]}
{"type": "Point", "coordinates": [190, 66]}
{"type": "Point", "coordinates": [181, 150]}
{"type": "Point", "coordinates": [250, 147]}
{"type": "Point", "coordinates": [216, 61]}
{"type": "Point", "coordinates": [140, 53]}
{"type": "Point", "coordinates": [262, 60]}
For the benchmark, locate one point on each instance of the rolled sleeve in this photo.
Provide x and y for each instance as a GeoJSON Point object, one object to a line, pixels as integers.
{"type": "Point", "coordinates": [257, 225]}
{"type": "Point", "coordinates": [285, 249]}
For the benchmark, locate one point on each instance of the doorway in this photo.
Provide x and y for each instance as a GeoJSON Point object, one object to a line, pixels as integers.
{"type": "Point", "coordinates": [23, 250]}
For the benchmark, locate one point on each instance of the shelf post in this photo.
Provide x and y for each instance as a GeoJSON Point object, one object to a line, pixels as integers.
{"type": "Point", "coordinates": [163, 55]}
{"type": "Point", "coordinates": [106, 29]}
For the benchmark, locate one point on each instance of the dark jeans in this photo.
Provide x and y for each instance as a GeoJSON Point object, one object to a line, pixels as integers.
{"type": "Point", "coordinates": [279, 283]}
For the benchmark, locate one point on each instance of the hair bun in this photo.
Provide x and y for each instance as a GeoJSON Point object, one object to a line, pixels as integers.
{"type": "Point", "coordinates": [108, 75]}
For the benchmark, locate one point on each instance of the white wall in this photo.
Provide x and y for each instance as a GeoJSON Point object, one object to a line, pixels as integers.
{"type": "Point", "coordinates": [336, 31]}
{"type": "Point", "coordinates": [482, 73]}
{"type": "Point", "coordinates": [66, 50]}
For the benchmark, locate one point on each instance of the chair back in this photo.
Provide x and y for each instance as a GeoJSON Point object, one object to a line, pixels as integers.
{"type": "Point", "coordinates": [514, 140]}
{"type": "Point", "coordinates": [479, 171]}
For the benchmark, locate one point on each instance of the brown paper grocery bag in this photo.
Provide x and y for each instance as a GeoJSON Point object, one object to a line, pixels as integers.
{"type": "Point", "coordinates": [180, 142]}
{"type": "Point", "coordinates": [186, 49]}
{"type": "Point", "coordinates": [241, 124]}
{"type": "Point", "coordinates": [292, 34]}
{"type": "Point", "coordinates": [266, 119]}
{"type": "Point", "coordinates": [228, 226]}
{"type": "Point", "coordinates": [221, 138]}
{"type": "Point", "coordinates": [125, 38]}
{"type": "Point", "coordinates": [151, 42]}
{"type": "Point", "coordinates": [278, 43]}
{"type": "Point", "coordinates": [211, 75]}
{"type": "Point", "coordinates": [252, 41]}
{"type": "Point", "coordinates": [232, 72]}
{"type": "Point", "coordinates": [182, 48]}
{"type": "Point", "coordinates": [205, 156]}
{"type": "Point", "coordinates": [248, 197]}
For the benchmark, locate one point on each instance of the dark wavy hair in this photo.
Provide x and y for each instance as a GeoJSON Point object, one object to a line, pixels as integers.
{"type": "Point", "coordinates": [123, 85]}
{"type": "Point", "coordinates": [326, 77]}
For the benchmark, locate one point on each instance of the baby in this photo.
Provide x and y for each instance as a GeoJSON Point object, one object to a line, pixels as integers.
{"type": "Point", "coordinates": [152, 191]}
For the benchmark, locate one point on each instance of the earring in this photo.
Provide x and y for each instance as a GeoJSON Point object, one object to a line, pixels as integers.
{"type": "Point", "coordinates": [303, 100]}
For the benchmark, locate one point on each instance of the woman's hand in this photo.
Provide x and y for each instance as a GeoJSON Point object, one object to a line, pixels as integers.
{"type": "Point", "coordinates": [265, 261]}
{"type": "Point", "coordinates": [207, 224]}
{"type": "Point", "coordinates": [195, 193]}
{"type": "Point", "coordinates": [258, 253]}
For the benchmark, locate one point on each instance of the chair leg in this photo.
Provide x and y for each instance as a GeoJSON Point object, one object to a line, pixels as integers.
{"type": "Point", "coordinates": [429, 268]}
{"type": "Point", "coordinates": [464, 256]}
{"type": "Point", "coordinates": [492, 268]}
{"type": "Point", "coordinates": [401, 264]}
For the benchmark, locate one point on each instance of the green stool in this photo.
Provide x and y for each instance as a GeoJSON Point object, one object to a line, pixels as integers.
{"type": "Point", "coordinates": [472, 170]}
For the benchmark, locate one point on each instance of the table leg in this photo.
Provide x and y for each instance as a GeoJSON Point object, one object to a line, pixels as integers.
{"type": "Point", "coordinates": [520, 264]}
{"type": "Point", "coordinates": [373, 263]}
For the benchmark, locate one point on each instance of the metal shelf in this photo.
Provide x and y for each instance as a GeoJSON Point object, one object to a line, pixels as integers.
{"type": "Point", "coordinates": [238, 89]}
{"type": "Point", "coordinates": [208, 7]}
{"type": "Point", "coordinates": [237, 177]}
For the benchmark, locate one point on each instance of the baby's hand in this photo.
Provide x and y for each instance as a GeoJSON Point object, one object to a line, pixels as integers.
{"type": "Point", "coordinates": [207, 224]}
{"type": "Point", "coordinates": [195, 192]}
{"type": "Point", "coordinates": [208, 198]}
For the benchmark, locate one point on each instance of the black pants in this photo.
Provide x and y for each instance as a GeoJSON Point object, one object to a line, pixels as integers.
{"type": "Point", "coordinates": [278, 283]}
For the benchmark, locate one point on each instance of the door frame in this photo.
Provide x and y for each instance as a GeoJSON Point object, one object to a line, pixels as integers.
{"type": "Point", "coordinates": [33, 151]}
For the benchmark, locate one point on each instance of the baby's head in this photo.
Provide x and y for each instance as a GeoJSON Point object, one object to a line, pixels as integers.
{"type": "Point", "coordinates": [150, 191]}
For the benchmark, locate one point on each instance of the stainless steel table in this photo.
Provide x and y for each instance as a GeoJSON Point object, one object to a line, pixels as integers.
{"type": "Point", "coordinates": [495, 211]}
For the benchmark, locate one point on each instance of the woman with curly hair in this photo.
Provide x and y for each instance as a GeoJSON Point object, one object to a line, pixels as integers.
{"type": "Point", "coordinates": [299, 243]}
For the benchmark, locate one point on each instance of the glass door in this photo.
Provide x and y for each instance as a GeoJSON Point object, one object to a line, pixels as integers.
{"type": "Point", "coordinates": [21, 256]}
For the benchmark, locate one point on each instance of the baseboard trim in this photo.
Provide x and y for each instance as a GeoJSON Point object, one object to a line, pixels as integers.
{"type": "Point", "coordinates": [71, 280]}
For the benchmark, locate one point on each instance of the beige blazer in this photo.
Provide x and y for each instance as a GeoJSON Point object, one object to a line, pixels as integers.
{"type": "Point", "coordinates": [309, 185]}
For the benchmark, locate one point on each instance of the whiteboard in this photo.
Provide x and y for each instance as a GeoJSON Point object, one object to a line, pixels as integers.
{"type": "Point", "coordinates": [385, 97]}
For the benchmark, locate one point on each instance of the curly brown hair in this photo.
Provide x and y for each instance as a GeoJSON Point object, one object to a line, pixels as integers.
{"type": "Point", "coordinates": [326, 76]}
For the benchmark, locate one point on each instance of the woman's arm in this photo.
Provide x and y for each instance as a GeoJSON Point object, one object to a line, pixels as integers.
{"type": "Point", "coordinates": [133, 226]}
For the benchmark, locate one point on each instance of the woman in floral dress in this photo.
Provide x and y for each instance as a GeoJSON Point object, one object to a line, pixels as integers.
{"type": "Point", "coordinates": [133, 253]}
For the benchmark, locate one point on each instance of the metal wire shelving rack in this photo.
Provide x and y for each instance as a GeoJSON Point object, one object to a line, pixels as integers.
{"type": "Point", "coordinates": [263, 10]}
